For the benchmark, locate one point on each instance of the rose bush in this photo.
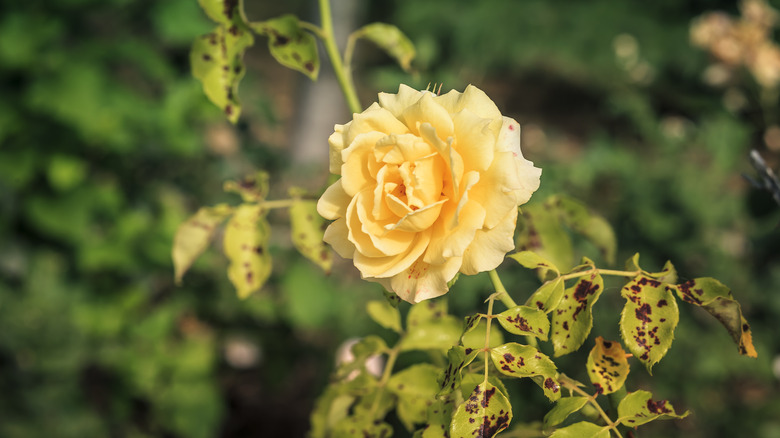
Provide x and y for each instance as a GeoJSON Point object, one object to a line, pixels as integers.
{"type": "Point", "coordinates": [429, 187]}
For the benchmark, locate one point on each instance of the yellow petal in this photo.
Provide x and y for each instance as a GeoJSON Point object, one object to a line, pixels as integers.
{"type": "Point", "coordinates": [382, 267]}
{"type": "Point", "coordinates": [428, 179]}
{"type": "Point", "coordinates": [474, 140]}
{"type": "Point", "coordinates": [397, 149]}
{"type": "Point", "coordinates": [421, 219]}
{"type": "Point", "coordinates": [450, 156]}
{"type": "Point", "coordinates": [333, 203]}
{"type": "Point", "coordinates": [503, 186]}
{"type": "Point", "coordinates": [385, 239]}
{"type": "Point", "coordinates": [336, 141]}
{"type": "Point", "coordinates": [426, 110]}
{"type": "Point", "coordinates": [336, 236]}
{"type": "Point", "coordinates": [355, 172]}
{"type": "Point", "coordinates": [490, 246]}
{"type": "Point", "coordinates": [374, 119]}
{"type": "Point", "coordinates": [448, 241]}
{"type": "Point", "coordinates": [423, 281]}
{"type": "Point", "coordinates": [472, 98]}
{"type": "Point", "coordinates": [397, 103]}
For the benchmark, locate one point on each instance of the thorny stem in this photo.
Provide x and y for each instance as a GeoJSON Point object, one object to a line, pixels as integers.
{"type": "Point", "coordinates": [345, 81]}
{"type": "Point", "coordinates": [503, 295]}
{"type": "Point", "coordinates": [572, 386]}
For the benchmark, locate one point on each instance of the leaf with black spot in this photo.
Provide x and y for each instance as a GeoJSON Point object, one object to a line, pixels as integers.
{"type": "Point", "coordinates": [224, 12]}
{"type": "Point", "coordinates": [716, 298]}
{"type": "Point", "coordinates": [290, 45]}
{"type": "Point", "coordinates": [416, 388]}
{"type": "Point", "coordinates": [548, 296]}
{"type": "Point", "coordinates": [426, 311]}
{"type": "Point", "coordinates": [526, 321]}
{"type": "Point", "coordinates": [306, 228]}
{"type": "Point", "coordinates": [593, 227]}
{"type": "Point", "coordinates": [607, 366]}
{"type": "Point", "coordinates": [252, 188]}
{"type": "Point", "coordinates": [648, 319]}
{"type": "Point", "coordinates": [438, 418]}
{"type": "Point", "coordinates": [390, 39]}
{"type": "Point", "coordinates": [572, 320]}
{"type": "Point", "coordinates": [485, 413]}
{"type": "Point", "coordinates": [638, 408]}
{"type": "Point", "coordinates": [564, 407]}
{"type": "Point", "coordinates": [532, 260]}
{"type": "Point", "coordinates": [246, 246]}
{"type": "Point", "coordinates": [361, 427]}
{"type": "Point", "coordinates": [384, 314]}
{"type": "Point", "coordinates": [516, 360]}
{"type": "Point", "coordinates": [458, 357]}
{"type": "Point", "coordinates": [193, 237]}
{"type": "Point", "coordinates": [469, 324]}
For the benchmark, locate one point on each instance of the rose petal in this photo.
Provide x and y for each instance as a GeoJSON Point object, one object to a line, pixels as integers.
{"type": "Point", "coordinates": [336, 236]}
{"type": "Point", "coordinates": [472, 98]}
{"type": "Point", "coordinates": [423, 281]}
{"type": "Point", "coordinates": [426, 110]}
{"type": "Point", "coordinates": [397, 103]}
{"type": "Point", "coordinates": [421, 219]}
{"type": "Point", "coordinates": [333, 203]}
{"type": "Point", "coordinates": [452, 241]}
{"type": "Point", "coordinates": [337, 142]}
{"type": "Point", "coordinates": [450, 156]}
{"type": "Point", "coordinates": [355, 172]}
{"type": "Point", "coordinates": [474, 140]}
{"type": "Point", "coordinates": [490, 246]}
{"type": "Point", "coordinates": [374, 119]}
{"type": "Point", "coordinates": [505, 184]}
{"type": "Point", "coordinates": [388, 266]}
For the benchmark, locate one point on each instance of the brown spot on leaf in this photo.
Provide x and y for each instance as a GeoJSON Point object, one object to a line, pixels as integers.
{"type": "Point", "coordinates": [657, 407]}
{"type": "Point", "coordinates": [643, 311]}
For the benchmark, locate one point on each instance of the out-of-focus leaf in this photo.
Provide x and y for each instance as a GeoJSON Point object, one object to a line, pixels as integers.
{"type": "Point", "coordinates": [362, 426]}
{"type": "Point", "coordinates": [593, 227]}
{"type": "Point", "coordinates": [416, 389]}
{"type": "Point", "coordinates": [583, 429]}
{"type": "Point", "coordinates": [217, 61]}
{"type": "Point", "coordinates": [540, 231]}
{"type": "Point", "coordinates": [193, 236]}
{"type": "Point", "coordinates": [638, 408]}
{"type": "Point", "coordinates": [524, 320]}
{"type": "Point", "coordinates": [648, 319]}
{"type": "Point", "coordinates": [290, 45]}
{"type": "Point", "coordinates": [426, 311]}
{"type": "Point", "coordinates": [438, 419]}
{"type": "Point", "coordinates": [252, 188]}
{"type": "Point", "coordinates": [459, 358]}
{"type": "Point", "coordinates": [440, 334]}
{"type": "Point", "coordinates": [573, 319]}
{"type": "Point", "coordinates": [470, 323]}
{"type": "Point", "coordinates": [390, 39]}
{"type": "Point", "coordinates": [385, 315]}
{"type": "Point", "coordinates": [484, 414]}
{"type": "Point", "coordinates": [607, 366]}
{"type": "Point", "coordinates": [246, 245]}
{"type": "Point", "coordinates": [224, 12]}
{"type": "Point", "coordinates": [307, 231]}
{"type": "Point", "coordinates": [516, 360]}
{"type": "Point", "coordinates": [562, 409]}
{"type": "Point", "coordinates": [716, 298]}
{"type": "Point", "coordinates": [532, 260]}
{"type": "Point", "coordinates": [548, 296]}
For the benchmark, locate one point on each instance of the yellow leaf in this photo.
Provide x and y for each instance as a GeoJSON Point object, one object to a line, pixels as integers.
{"type": "Point", "coordinates": [193, 236]}
{"type": "Point", "coordinates": [246, 246]}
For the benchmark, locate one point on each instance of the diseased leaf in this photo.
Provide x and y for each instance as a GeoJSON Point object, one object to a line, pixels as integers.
{"type": "Point", "coordinates": [458, 358]}
{"type": "Point", "coordinates": [516, 360]}
{"type": "Point", "coordinates": [716, 299]}
{"type": "Point", "coordinates": [307, 232]}
{"type": "Point", "coordinates": [540, 231]}
{"type": "Point", "coordinates": [252, 188]}
{"type": "Point", "coordinates": [648, 319]}
{"type": "Point", "coordinates": [330, 408]}
{"type": "Point", "coordinates": [607, 366]}
{"type": "Point", "coordinates": [572, 320]}
{"type": "Point", "coordinates": [217, 62]}
{"type": "Point", "coordinates": [416, 389]}
{"type": "Point", "coordinates": [667, 275]}
{"type": "Point", "coordinates": [638, 408]}
{"type": "Point", "coordinates": [469, 324]}
{"type": "Point", "coordinates": [290, 45]}
{"type": "Point", "coordinates": [564, 407]}
{"type": "Point", "coordinates": [246, 246]}
{"type": "Point", "coordinates": [440, 334]}
{"type": "Point", "coordinates": [548, 296]}
{"type": "Point", "coordinates": [223, 11]}
{"type": "Point", "coordinates": [390, 39]}
{"type": "Point", "coordinates": [524, 320]}
{"type": "Point", "coordinates": [193, 237]}
{"type": "Point", "coordinates": [385, 315]}
{"type": "Point", "coordinates": [484, 414]}
{"type": "Point", "coordinates": [391, 298]}
{"type": "Point", "coordinates": [591, 226]}
{"type": "Point", "coordinates": [426, 311]}
{"type": "Point", "coordinates": [472, 380]}
{"type": "Point", "coordinates": [438, 419]}
{"type": "Point", "coordinates": [583, 429]}
{"type": "Point", "coordinates": [362, 426]}
{"type": "Point", "coordinates": [476, 338]}
{"type": "Point", "coordinates": [532, 260]}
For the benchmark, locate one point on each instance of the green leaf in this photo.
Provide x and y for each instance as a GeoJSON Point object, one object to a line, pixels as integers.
{"type": "Point", "coordinates": [459, 358]}
{"type": "Point", "coordinates": [563, 408]}
{"type": "Point", "coordinates": [632, 264]}
{"type": "Point", "coordinates": [361, 351]}
{"type": "Point", "coordinates": [469, 324]}
{"type": "Point", "coordinates": [573, 319]}
{"type": "Point", "coordinates": [416, 389]}
{"type": "Point", "coordinates": [716, 299]}
{"type": "Point", "coordinates": [591, 226]}
{"type": "Point", "coordinates": [193, 236]}
{"type": "Point", "coordinates": [331, 408]}
{"type": "Point", "coordinates": [648, 319]}
{"type": "Point", "coordinates": [217, 61]}
{"type": "Point", "coordinates": [476, 338]}
{"type": "Point", "coordinates": [306, 227]}
{"type": "Point", "coordinates": [252, 188]}
{"type": "Point", "coordinates": [516, 360]}
{"type": "Point", "coordinates": [607, 366]}
{"type": "Point", "coordinates": [638, 408]}
{"type": "Point", "coordinates": [548, 296]}
{"type": "Point", "coordinates": [524, 320]}
{"type": "Point", "coordinates": [438, 419]}
{"type": "Point", "coordinates": [390, 39]}
{"type": "Point", "coordinates": [583, 429]}
{"type": "Point", "coordinates": [532, 260]}
{"type": "Point", "coordinates": [472, 380]}
{"type": "Point", "coordinates": [246, 246]}
{"type": "Point", "coordinates": [426, 311]}
{"type": "Point", "coordinates": [667, 275]}
{"type": "Point", "coordinates": [440, 334]}
{"type": "Point", "coordinates": [362, 426]}
{"type": "Point", "coordinates": [540, 231]}
{"type": "Point", "coordinates": [290, 45]}
{"type": "Point", "coordinates": [484, 414]}
{"type": "Point", "coordinates": [385, 315]}
{"type": "Point", "coordinates": [391, 297]}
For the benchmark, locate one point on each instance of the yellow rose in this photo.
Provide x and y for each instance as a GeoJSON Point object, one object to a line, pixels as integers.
{"type": "Point", "coordinates": [429, 187]}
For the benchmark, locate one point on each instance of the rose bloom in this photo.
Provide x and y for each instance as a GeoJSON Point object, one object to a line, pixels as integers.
{"type": "Point", "coordinates": [429, 187]}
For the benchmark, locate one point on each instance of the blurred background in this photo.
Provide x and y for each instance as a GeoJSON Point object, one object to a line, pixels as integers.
{"type": "Point", "coordinates": [107, 144]}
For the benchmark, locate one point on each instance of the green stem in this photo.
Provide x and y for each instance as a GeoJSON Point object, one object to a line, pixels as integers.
{"type": "Point", "coordinates": [503, 295]}
{"type": "Point", "coordinates": [345, 81]}
{"type": "Point", "coordinates": [614, 401]}
{"type": "Point", "coordinates": [392, 355]}
{"type": "Point", "coordinates": [279, 203]}
{"type": "Point", "coordinates": [572, 386]}
{"type": "Point", "coordinates": [487, 334]}
{"type": "Point", "coordinates": [601, 272]}
{"type": "Point", "coordinates": [313, 28]}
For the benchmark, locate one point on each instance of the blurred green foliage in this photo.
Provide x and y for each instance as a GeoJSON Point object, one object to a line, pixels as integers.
{"type": "Point", "coordinates": [103, 155]}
